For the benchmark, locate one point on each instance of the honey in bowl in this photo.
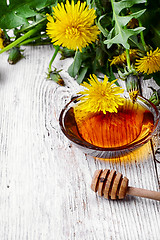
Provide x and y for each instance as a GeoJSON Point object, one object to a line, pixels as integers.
{"type": "Point", "coordinates": [131, 123]}
{"type": "Point", "coordinates": [118, 136]}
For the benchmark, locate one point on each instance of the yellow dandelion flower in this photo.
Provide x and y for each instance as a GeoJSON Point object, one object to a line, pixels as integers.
{"type": "Point", "coordinates": [133, 53]}
{"type": "Point", "coordinates": [1, 32]}
{"type": "Point", "coordinates": [120, 59]}
{"type": "Point", "coordinates": [150, 63]}
{"type": "Point", "coordinates": [1, 39]}
{"type": "Point", "coordinates": [100, 96]}
{"type": "Point", "coordinates": [1, 43]}
{"type": "Point", "coordinates": [72, 25]}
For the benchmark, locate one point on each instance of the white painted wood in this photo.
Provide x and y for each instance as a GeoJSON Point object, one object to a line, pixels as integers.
{"type": "Point", "coordinates": [44, 180]}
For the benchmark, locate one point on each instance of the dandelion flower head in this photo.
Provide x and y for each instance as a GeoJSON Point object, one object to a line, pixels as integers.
{"type": "Point", "coordinates": [120, 59]}
{"type": "Point", "coordinates": [1, 39]}
{"type": "Point", "coordinates": [72, 25]}
{"type": "Point", "coordinates": [150, 63]}
{"type": "Point", "coordinates": [1, 32]}
{"type": "Point", "coordinates": [1, 43]}
{"type": "Point", "coordinates": [100, 96]}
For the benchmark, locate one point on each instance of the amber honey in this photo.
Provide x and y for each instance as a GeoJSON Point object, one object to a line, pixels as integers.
{"type": "Point", "coordinates": [131, 123]}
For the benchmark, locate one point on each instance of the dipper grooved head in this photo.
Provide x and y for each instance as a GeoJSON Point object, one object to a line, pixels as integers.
{"type": "Point", "coordinates": [109, 184]}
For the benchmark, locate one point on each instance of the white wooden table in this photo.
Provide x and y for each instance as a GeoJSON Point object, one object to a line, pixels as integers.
{"type": "Point", "coordinates": [45, 180]}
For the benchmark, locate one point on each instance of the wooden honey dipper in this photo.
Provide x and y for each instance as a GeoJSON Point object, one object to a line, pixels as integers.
{"type": "Point", "coordinates": [114, 186]}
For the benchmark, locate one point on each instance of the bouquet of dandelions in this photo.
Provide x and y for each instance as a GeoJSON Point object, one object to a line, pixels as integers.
{"type": "Point", "coordinates": [103, 36]}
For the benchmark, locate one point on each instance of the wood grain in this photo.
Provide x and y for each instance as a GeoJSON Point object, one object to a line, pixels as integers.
{"type": "Point", "coordinates": [44, 180]}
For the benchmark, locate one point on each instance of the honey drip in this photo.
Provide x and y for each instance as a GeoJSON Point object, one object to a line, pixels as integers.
{"type": "Point", "coordinates": [131, 123]}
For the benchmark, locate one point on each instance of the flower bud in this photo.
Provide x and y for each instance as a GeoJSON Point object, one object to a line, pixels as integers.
{"type": "Point", "coordinates": [14, 55]}
{"type": "Point", "coordinates": [132, 86]}
{"type": "Point", "coordinates": [55, 76]}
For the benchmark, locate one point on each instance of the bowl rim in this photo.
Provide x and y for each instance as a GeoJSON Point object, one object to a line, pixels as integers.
{"type": "Point", "coordinates": [129, 146]}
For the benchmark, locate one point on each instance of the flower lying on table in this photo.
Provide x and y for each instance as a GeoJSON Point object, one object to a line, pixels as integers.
{"type": "Point", "coordinates": [100, 96]}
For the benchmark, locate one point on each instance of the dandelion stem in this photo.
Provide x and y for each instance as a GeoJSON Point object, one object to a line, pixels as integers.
{"type": "Point", "coordinates": [20, 39]}
{"type": "Point", "coordinates": [142, 37]}
{"type": "Point", "coordinates": [53, 57]}
{"type": "Point", "coordinates": [33, 25]}
{"type": "Point", "coordinates": [128, 59]}
{"type": "Point", "coordinates": [32, 39]}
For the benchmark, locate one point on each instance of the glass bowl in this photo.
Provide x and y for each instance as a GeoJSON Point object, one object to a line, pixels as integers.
{"type": "Point", "coordinates": [131, 128]}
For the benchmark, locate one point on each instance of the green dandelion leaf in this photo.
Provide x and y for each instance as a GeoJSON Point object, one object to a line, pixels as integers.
{"type": "Point", "coordinates": [17, 12]}
{"type": "Point", "coordinates": [121, 33]}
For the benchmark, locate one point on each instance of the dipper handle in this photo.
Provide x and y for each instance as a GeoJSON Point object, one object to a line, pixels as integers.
{"type": "Point", "coordinates": [140, 192]}
{"type": "Point", "coordinates": [113, 185]}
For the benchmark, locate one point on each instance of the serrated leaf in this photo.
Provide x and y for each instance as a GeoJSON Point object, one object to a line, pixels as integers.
{"type": "Point", "coordinates": [123, 36]}
{"type": "Point", "coordinates": [119, 6]}
{"type": "Point", "coordinates": [134, 42]}
{"type": "Point", "coordinates": [121, 33]}
{"type": "Point", "coordinates": [109, 37]}
{"type": "Point", "coordinates": [103, 31]}
{"type": "Point", "coordinates": [123, 20]}
{"type": "Point", "coordinates": [16, 13]}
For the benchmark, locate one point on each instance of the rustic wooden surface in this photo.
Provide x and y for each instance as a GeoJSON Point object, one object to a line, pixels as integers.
{"type": "Point", "coordinates": [44, 180]}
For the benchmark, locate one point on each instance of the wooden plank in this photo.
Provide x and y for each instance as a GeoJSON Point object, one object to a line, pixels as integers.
{"type": "Point", "coordinates": [45, 180]}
